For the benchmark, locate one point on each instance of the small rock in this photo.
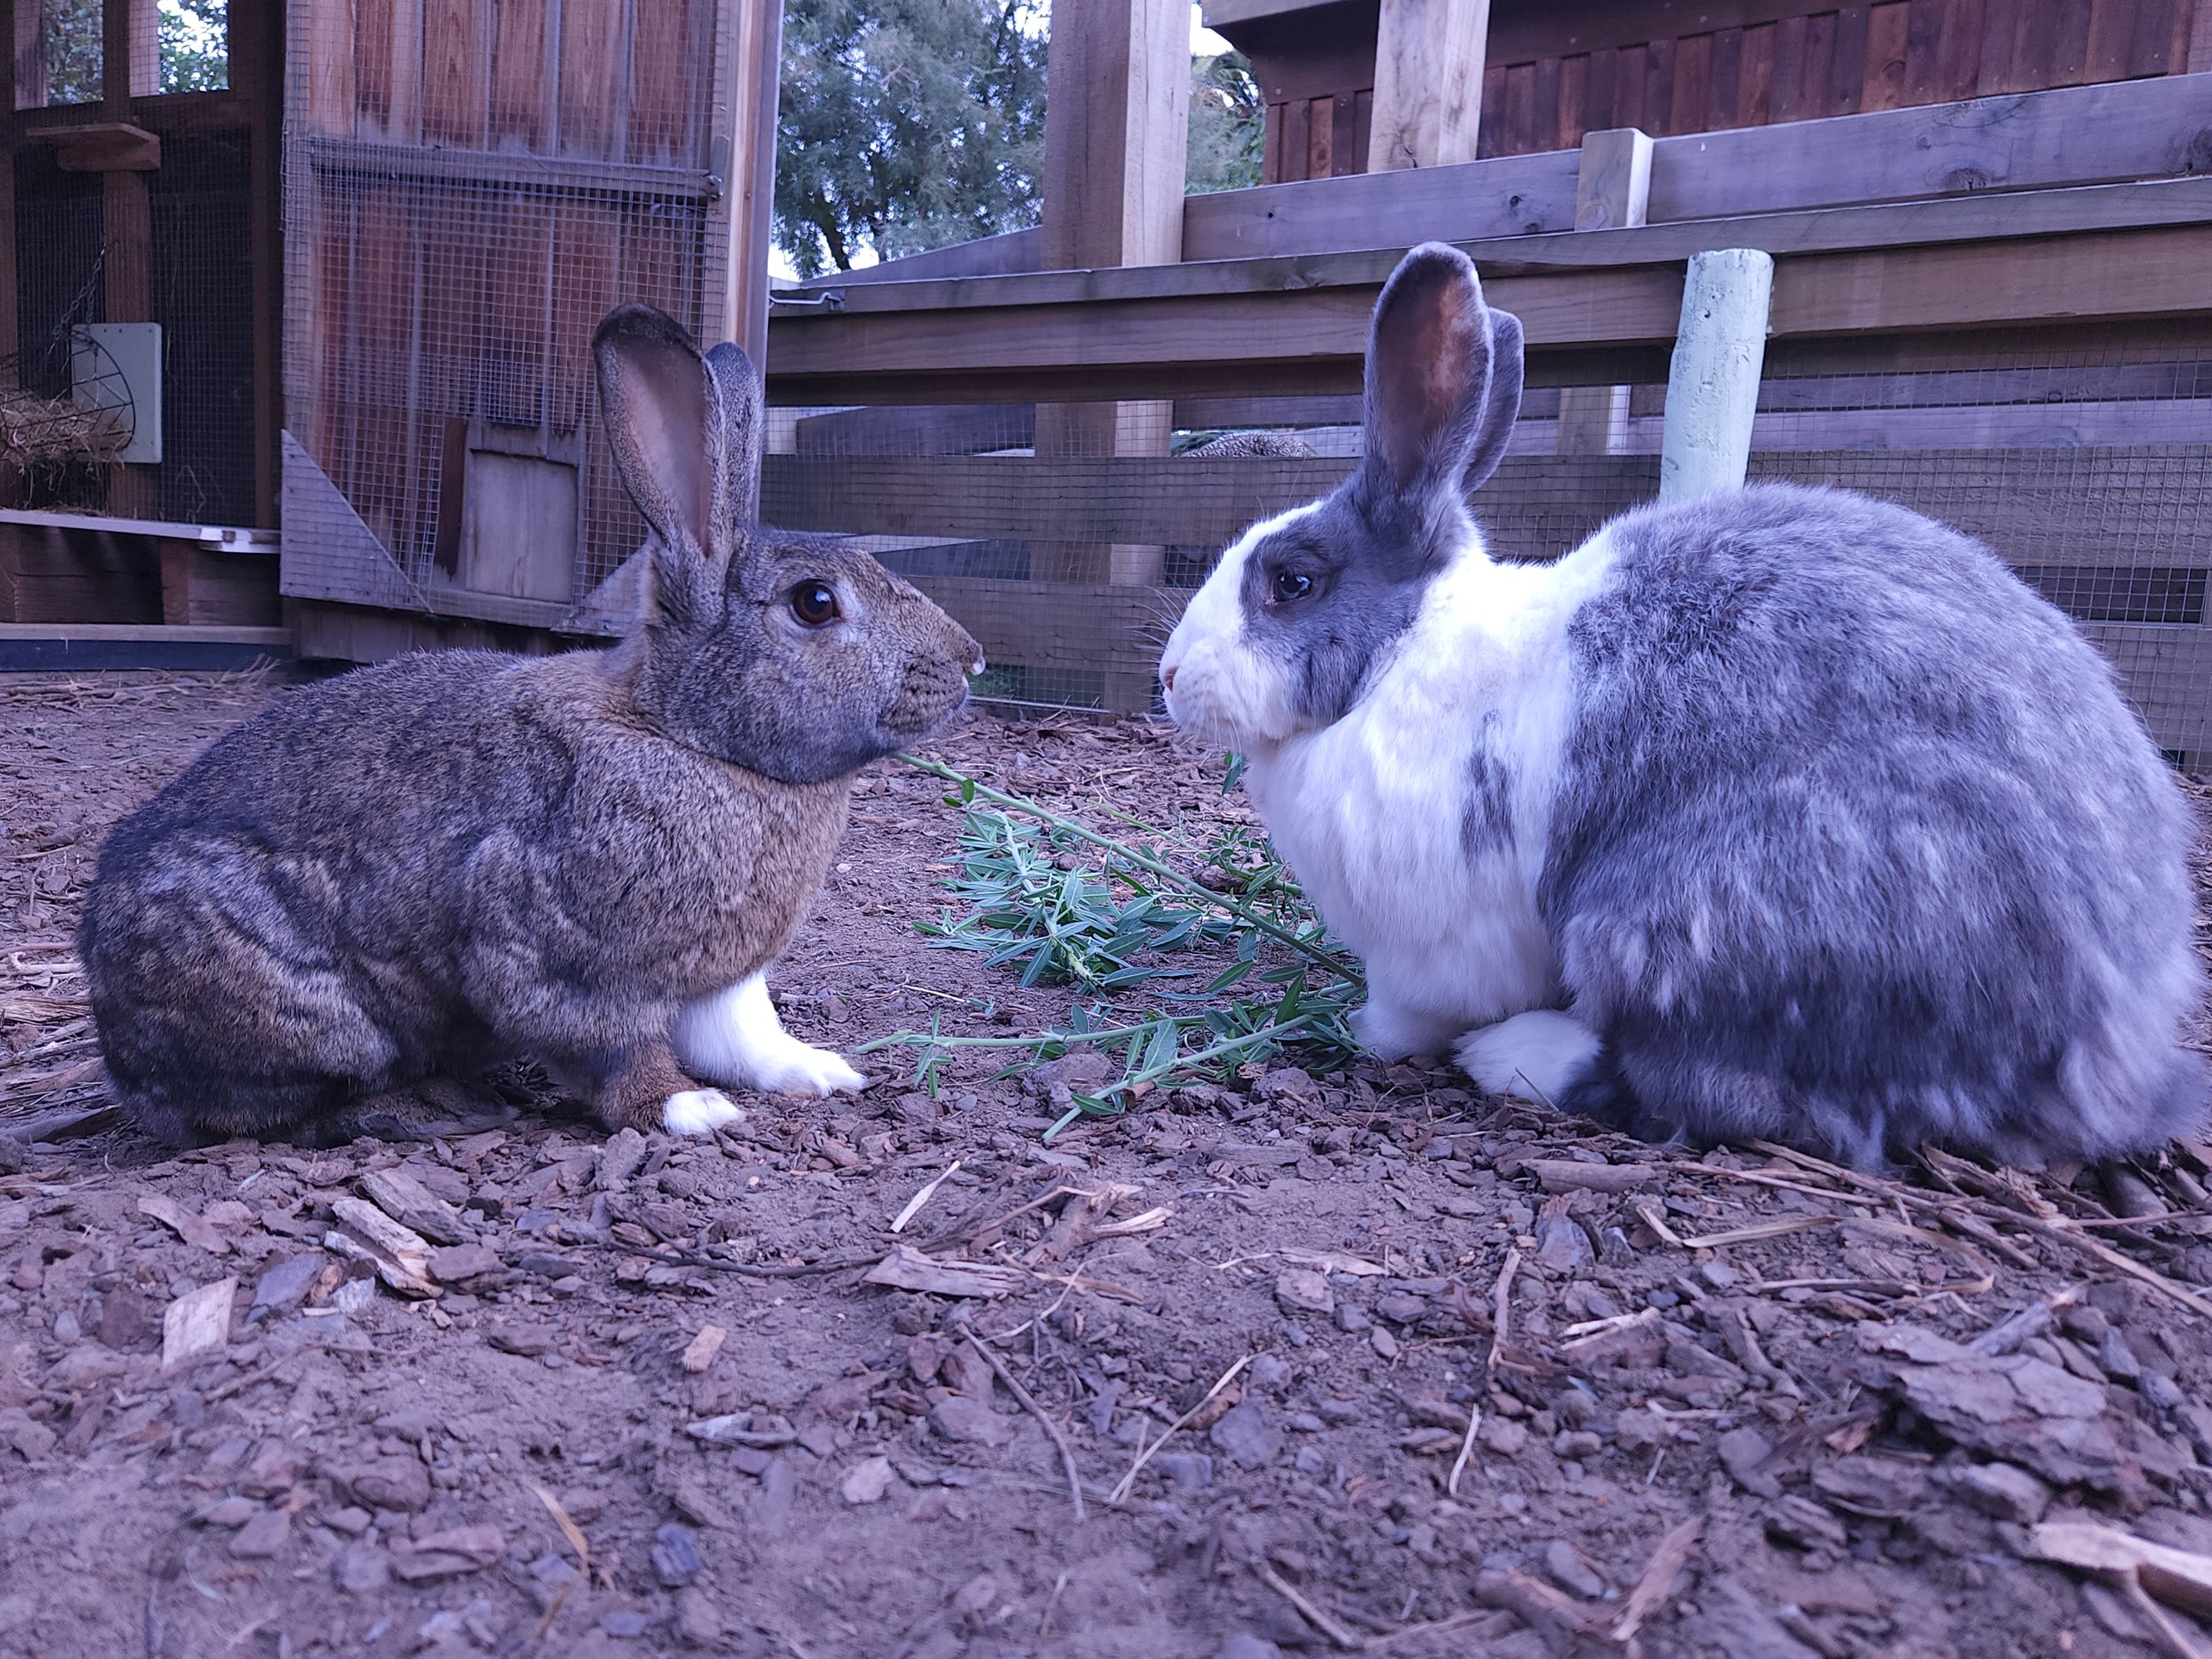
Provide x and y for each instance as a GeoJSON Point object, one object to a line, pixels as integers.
{"type": "Point", "coordinates": [1302, 1289]}
{"type": "Point", "coordinates": [531, 1341]}
{"type": "Point", "coordinates": [1268, 1372]}
{"type": "Point", "coordinates": [957, 1417]}
{"type": "Point", "coordinates": [1352, 1318]}
{"type": "Point", "coordinates": [1572, 1570]}
{"type": "Point", "coordinates": [2004, 1490]}
{"type": "Point", "coordinates": [1502, 1436]}
{"type": "Point", "coordinates": [450, 1553]}
{"type": "Point", "coordinates": [349, 1519]}
{"type": "Point", "coordinates": [1245, 1435]}
{"type": "Point", "coordinates": [232, 1511]}
{"type": "Point", "coordinates": [67, 1326]}
{"type": "Point", "coordinates": [1562, 1246]}
{"type": "Point", "coordinates": [1574, 1444]}
{"type": "Point", "coordinates": [284, 1286]}
{"type": "Point", "coordinates": [1638, 1431]}
{"type": "Point", "coordinates": [263, 1537]}
{"type": "Point", "coordinates": [126, 1320]}
{"type": "Point", "coordinates": [699, 1621]}
{"type": "Point", "coordinates": [1288, 1085]}
{"type": "Point", "coordinates": [1401, 1309]}
{"type": "Point", "coordinates": [387, 1483]}
{"type": "Point", "coordinates": [676, 1555]}
{"type": "Point", "coordinates": [619, 1158]}
{"type": "Point", "coordinates": [770, 1507]}
{"type": "Point", "coordinates": [1245, 1645]}
{"type": "Point", "coordinates": [868, 1481]}
{"type": "Point", "coordinates": [2117, 1358]}
{"type": "Point", "coordinates": [1192, 1471]}
{"type": "Point", "coordinates": [361, 1569]}
{"type": "Point", "coordinates": [1742, 1452]}
{"type": "Point", "coordinates": [458, 1262]}
{"type": "Point", "coordinates": [627, 1624]}
{"type": "Point", "coordinates": [1384, 1344]}
{"type": "Point", "coordinates": [1803, 1523]}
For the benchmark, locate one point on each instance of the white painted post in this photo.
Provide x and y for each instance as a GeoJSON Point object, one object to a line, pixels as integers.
{"type": "Point", "coordinates": [1713, 382]}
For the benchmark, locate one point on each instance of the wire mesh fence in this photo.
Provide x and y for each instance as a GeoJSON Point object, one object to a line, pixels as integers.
{"type": "Point", "coordinates": [1067, 537]}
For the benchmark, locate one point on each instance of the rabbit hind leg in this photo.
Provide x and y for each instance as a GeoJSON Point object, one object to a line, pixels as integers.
{"type": "Point", "coordinates": [644, 1087]}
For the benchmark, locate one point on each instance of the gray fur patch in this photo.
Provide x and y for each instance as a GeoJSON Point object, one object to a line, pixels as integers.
{"type": "Point", "coordinates": [1857, 846]}
{"type": "Point", "coordinates": [1487, 825]}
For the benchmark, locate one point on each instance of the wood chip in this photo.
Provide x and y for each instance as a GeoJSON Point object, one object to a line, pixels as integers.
{"type": "Point", "coordinates": [913, 1206]}
{"type": "Point", "coordinates": [400, 1255]}
{"type": "Point", "coordinates": [1656, 1581]}
{"type": "Point", "coordinates": [699, 1354]}
{"type": "Point", "coordinates": [2180, 1578]}
{"type": "Point", "coordinates": [1570, 1175]}
{"type": "Point", "coordinates": [906, 1268]}
{"type": "Point", "coordinates": [1329, 1262]}
{"type": "Point", "coordinates": [183, 1223]}
{"type": "Point", "coordinates": [197, 1323]}
{"type": "Point", "coordinates": [408, 1201]}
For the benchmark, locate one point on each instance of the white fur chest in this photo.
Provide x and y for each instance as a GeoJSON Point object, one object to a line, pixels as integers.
{"type": "Point", "coordinates": [1373, 812]}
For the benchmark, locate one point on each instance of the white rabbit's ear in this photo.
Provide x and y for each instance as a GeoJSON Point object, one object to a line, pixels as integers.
{"type": "Point", "coordinates": [737, 388]}
{"type": "Point", "coordinates": [659, 399]}
{"type": "Point", "coordinates": [1443, 381]}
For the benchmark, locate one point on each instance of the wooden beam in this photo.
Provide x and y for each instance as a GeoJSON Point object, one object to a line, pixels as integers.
{"type": "Point", "coordinates": [27, 87]}
{"type": "Point", "coordinates": [256, 50]}
{"type": "Point", "coordinates": [1612, 192]}
{"type": "Point", "coordinates": [1117, 113]}
{"type": "Point", "coordinates": [1428, 83]}
{"type": "Point", "coordinates": [1279, 327]}
{"type": "Point", "coordinates": [754, 36]}
{"type": "Point", "coordinates": [127, 219]}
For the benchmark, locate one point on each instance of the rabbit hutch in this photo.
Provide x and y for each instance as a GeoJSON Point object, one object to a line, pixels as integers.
{"type": "Point", "coordinates": [373, 255]}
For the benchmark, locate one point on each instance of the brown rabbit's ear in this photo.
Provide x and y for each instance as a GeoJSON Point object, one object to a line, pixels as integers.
{"type": "Point", "coordinates": [737, 389]}
{"type": "Point", "coordinates": [659, 398]}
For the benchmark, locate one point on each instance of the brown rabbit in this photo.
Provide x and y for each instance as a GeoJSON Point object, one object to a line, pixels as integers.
{"type": "Point", "coordinates": [429, 866]}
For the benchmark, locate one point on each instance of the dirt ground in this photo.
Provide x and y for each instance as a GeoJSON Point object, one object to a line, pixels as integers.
{"type": "Point", "coordinates": [1496, 1383]}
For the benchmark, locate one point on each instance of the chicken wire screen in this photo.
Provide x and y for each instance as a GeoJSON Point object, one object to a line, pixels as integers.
{"type": "Point", "coordinates": [1068, 537]}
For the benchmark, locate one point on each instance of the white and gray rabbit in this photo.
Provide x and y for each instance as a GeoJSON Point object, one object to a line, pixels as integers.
{"type": "Point", "coordinates": [1783, 813]}
{"type": "Point", "coordinates": [421, 869]}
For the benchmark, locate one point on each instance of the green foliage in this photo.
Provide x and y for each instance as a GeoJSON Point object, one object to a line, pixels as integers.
{"type": "Point", "coordinates": [195, 37]}
{"type": "Point", "coordinates": [71, 31]}
{"type": "Point", "coordinates": [1034, 903]}
{"type": "Point", "coordinates": [906, 124]}
{"type": "Point", "coordinates": [1227, 124]}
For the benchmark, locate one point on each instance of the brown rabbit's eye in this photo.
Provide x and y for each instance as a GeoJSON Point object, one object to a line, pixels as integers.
{"type": "Point", "coordinates": [1290, 584]}
{"type": "Point", "coordinates": [814, 603]}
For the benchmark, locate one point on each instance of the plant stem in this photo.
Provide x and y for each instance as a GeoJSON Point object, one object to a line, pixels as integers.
{"type": "Point", "coordinates": [1326, 958]}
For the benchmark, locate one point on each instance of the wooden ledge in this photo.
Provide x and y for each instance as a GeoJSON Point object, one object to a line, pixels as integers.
{"type": "Point", "coordinates": [102, 147]}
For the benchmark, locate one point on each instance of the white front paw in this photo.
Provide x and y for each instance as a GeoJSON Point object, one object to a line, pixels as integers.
{"type": "Point", "coordinates": [1535, 1057]}
{"type": "Point", "coordinates": [802, 1069]}
{"type": "Point", "coordinates": [699, 1112]}
{"type": "Point", "coordinates": [1390, 1031]}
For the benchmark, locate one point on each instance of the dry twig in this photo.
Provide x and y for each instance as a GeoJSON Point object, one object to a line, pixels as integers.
{"type": "Point", "coordinates": [1127, 1481]}
{"type": "Point", "coordinates": [1501, 1308]}
{"type": "Point", "coordinates": [1052, 1429]}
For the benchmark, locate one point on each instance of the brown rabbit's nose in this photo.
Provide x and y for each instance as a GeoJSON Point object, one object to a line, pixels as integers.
{"type": "Point", "coordinates": [1167, 679]}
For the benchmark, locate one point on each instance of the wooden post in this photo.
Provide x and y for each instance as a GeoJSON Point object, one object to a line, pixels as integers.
{"type": "Point", "coordinates": [1712, 382]}
{"type": "Point", "coordinates": [1612, 190]}
{"type": "Point", "coordinates": [1116, 105]}
{"type": "Point", "coordinates": [749, 181]}
{"type": "Point", "coordinates": [129, 60]}
{"type": "Point", "coordinates": [255, 45]}
{"type": "Point", "coordinates": [1428, 83]}
{"type": "Point", "coordinates": [28, 91]}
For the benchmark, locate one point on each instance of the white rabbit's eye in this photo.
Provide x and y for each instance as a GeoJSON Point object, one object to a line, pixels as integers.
{"type": "Point", "coordinates": [814, 603]}
{"type": "Point", "coordinates": [1290, 584]}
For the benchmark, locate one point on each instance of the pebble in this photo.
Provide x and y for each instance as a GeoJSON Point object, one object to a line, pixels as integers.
{"type": "Point", "coordinates": [698, 1619]}
{"type": "Point", "coordinates": [360, 1569]}
{"type": "Point", "coordinates": [1245, 1435]}
{"type": "Point", "coordinates": [1742, 1453]}
{"type": "Point", "coordinates": [957, 1417]}
{"type": "Point", "coordinates": [1503, 1436]}
{"type": "Point", "coordinates": [1384, 1344]}
{"type": "Point", "coordinates": [1192, 1471]}
{"type": "Point", "coordinates": [2009, 1492]}
{"type": "Point", "coordinates": [232, 1511]}
{"type": "Point", "coordinates": [1572, 1570]}
{"type": "Point", "coordinates": [1578, 1443]}
{"type": "Point", "coordinates": [676, 1555]}
{"type": "Point", "coordinates": [868, 1481]}
{"type": "Point", "coordinates": [1245, 1645]}
{"type": "Point", "coordinates": [1352, 1318]}
{"type": "Point", "coordinates": [284, 1286]}
{"type": "Point", "coordinates": [263, 1537]}
{"type": "Point", "coordinates": [1562, 1246]}
{"type": "Point", "coordinates": [627, 1624]}
{"type": "Point", "coordinates": [1304, 1290]}
{"type": "Point", "coordinates": [68, 1327]}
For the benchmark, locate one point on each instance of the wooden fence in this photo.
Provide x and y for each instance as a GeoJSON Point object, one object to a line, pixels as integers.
{"type": "Point", "coordinates": [1945, 262]}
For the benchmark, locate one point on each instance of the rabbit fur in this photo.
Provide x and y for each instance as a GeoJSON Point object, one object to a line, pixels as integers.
{"type": "Point", "coordinates": [417, 870]}
{"type": "Point", "coordinates": [1783, 813]}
